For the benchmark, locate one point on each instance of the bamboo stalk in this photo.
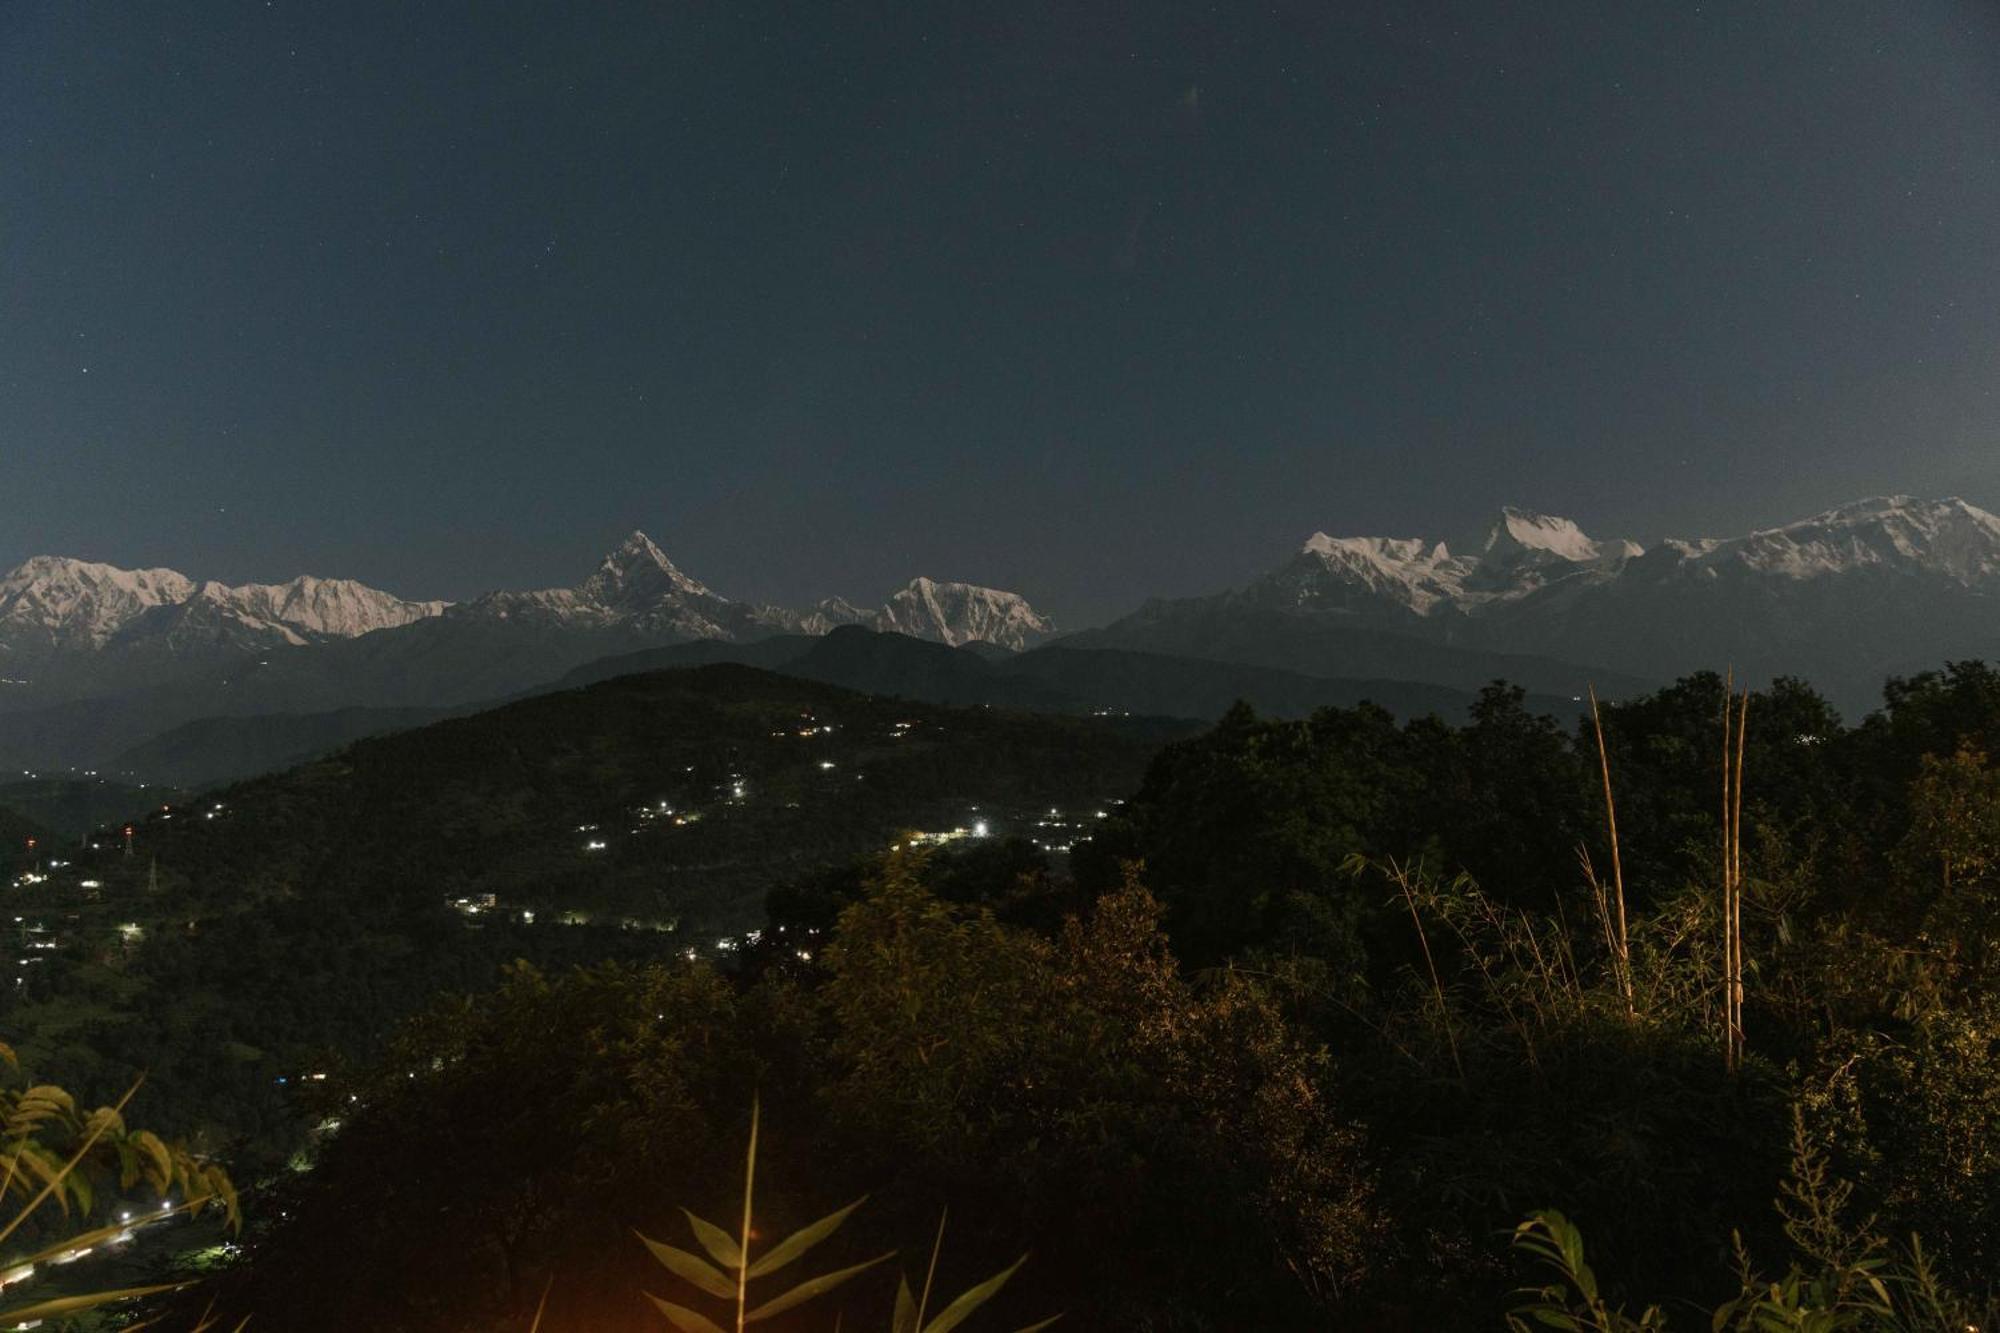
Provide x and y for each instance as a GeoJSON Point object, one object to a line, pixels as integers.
{"type": "Point", "coordinates": [1728, 883]}
{"type": "Point", "coordinates": [743, 1245]}
{"type": "Point", "coordinates": [1735, 734]}
{"type": "Point", "coordinates": [1624, 944]}
{"type": "Point", "coordinates": [1736, 873]}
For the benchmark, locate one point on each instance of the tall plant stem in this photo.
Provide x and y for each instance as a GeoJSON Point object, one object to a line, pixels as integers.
{"type": "Point", "coordinates": [1736, 876]}
{"type": "Point", "coordinates": [743, 1244]}
{"type": "Point", "coordinates": [1402, 876]}
{"type": "Point", "coordinates": [1623, 944]}
{"type": "Point", "coordinates": [1728, 882]}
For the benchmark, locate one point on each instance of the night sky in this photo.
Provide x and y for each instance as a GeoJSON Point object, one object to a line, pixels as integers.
{"type": "Point", "coordinates": [1091, 301]}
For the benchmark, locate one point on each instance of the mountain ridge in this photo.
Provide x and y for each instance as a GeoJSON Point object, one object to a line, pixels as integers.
{"type": "Point", "coordinates": [95, 659]}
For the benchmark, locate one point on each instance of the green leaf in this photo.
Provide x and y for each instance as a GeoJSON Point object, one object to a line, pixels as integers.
{"type": "Point", "coordinates": [796, 1244]}
{"type": "Point", "coordinates": [961, 1309]}
{"type": "Point", "coordinates": [682, 1318]}
{"type": "Point", "coordinates": [691, 1267]}
{"type": "Point", "coordinates": [717, 1242]}
{"type": "Point", "coordinates": [810, 1288]}
{"type": "Point", "coordinates": [906, 1308]}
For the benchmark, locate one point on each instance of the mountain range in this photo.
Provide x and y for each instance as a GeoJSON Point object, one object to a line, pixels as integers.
{"type": "Point", "coordinates": [1845, 598]}
{"type": "Point", "coordinates": [97, 662]}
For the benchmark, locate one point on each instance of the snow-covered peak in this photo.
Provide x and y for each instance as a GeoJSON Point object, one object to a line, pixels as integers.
{"type": "Point", "coordinates": [635, 589]}
{"type": "Point", "coordinates": [1949, 538]}
{"type": "Point", "coordinates": [962, 613]}
{"type": "Point", "coordinates": [330, 608]}
{"type": "Point", "coordinates": [841, 611]}
{"type": "Point", "coordinates": [638, 571]}
{"type": "Point", "coordinates": [65, 602]}
{"type": "Point", "coordinates": [832, 612]}
{"type": "Point", "coordinates": [1522, 533]}
{"type": "Point", "coordinates": [55, 603]}
{"type": "Point", "coordinates": [1350, 573]}
{"type": "Point", "coordinates": [1398, 576]}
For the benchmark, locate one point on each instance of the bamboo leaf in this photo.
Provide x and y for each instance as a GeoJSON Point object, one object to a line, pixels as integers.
{"type": "Point", "coordinates": [158, 1158]}
{"type": "Point", "coordinates": [104, 1120]}
{"type": "Point", "coordinates": [55, 1184]}
{"type": "Point", "coordinates": [810, 1288]}
{"type": "Point", "coordinates": [691, 1267]}
{"type": "Point", "coordinates": [961, 1309]}
{"type": "Point", "coordinates": [207, 1320]}
{"type": "Point", "coordinates": [85, 1240]}
{"type": "Point", "coordinates": [796, 1244]}
{"type": "Point", "coordinates": [682, 1318]}
{"type": "Point", "coordinates": [1551, 1318]}
{"type": "Point", "coordinates": [717, 1242]}
{"type": "Point", "coordinates": [64, 1305]}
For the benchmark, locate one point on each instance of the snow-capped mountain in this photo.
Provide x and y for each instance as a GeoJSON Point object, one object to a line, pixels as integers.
{"type": "Point", "coordinates": [1880, 586]}
{"type": "Point", "coordinates": [1391, 577]}
{"type": "Point", "coordinates": [71, 629]}
{"type": "Point", "coordinates": [52, 602]}
{"type": "Point", "coordinates": [1525, 551]}
{"type": "Point", "coordinates": [962, 613]}
{"type": "Point", "coordinates": [1365, 575]}
{"type": "Point", "coordinates": [57, 605]}
{"type": "Point", "coordinates": [831, 613]}
{"type": "Point", "coordinates": [94, 658]}
{"type": "Point", "coordinates": [636, 588]}
{"type": "Point", "coordinates": [1947, 539]}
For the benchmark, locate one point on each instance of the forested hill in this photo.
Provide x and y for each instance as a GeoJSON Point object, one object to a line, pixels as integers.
{"type": "Point", "coordinates": [674, 795]}
{"type": "Point", "coordinates": [300, 915]}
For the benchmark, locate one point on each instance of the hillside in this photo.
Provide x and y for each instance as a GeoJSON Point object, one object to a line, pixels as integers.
{"type": "Point", "coordinates": [70, 806]}
{"type": "Point", "coordinates": [292, 919]}
{"type": "Point", "coordinates": [1069, 676]}
{"type": "Point", "coordinates": [1053, 679]}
